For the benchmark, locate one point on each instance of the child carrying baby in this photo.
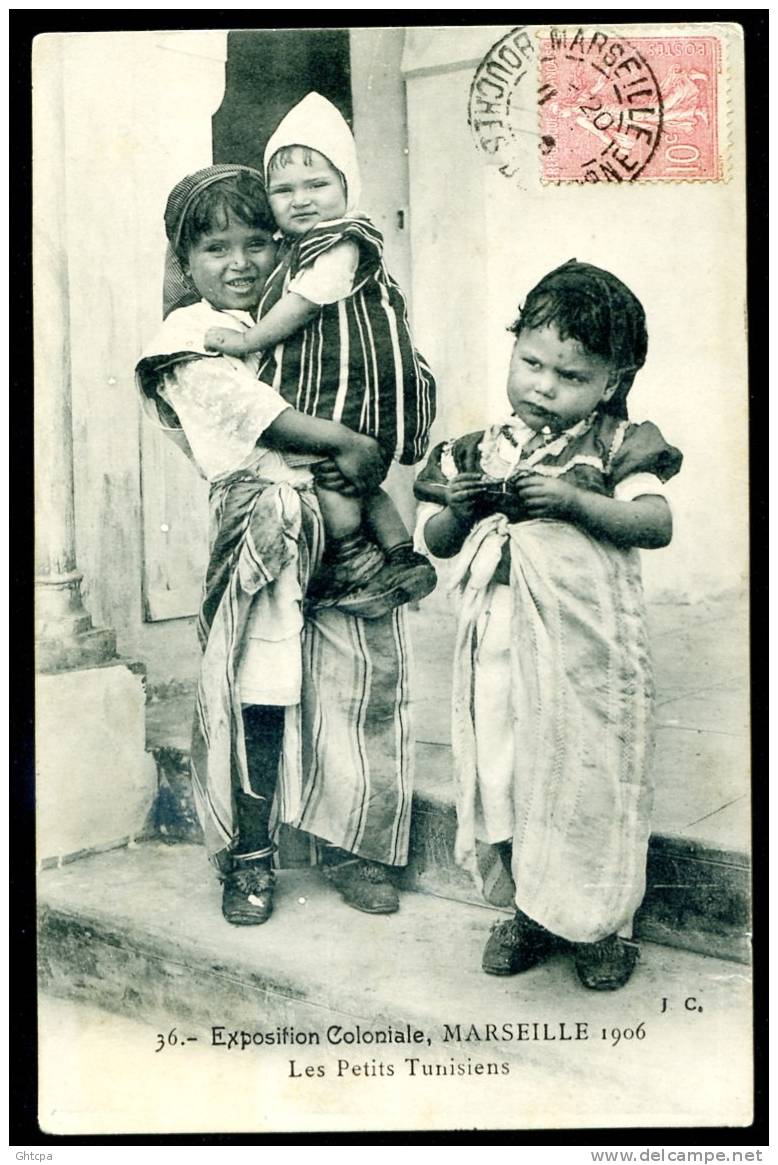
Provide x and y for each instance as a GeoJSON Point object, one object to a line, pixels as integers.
{"type": "Point", "coordinates": [335, 342]}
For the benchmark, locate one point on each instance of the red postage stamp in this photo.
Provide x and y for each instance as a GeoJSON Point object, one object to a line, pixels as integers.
{"type": "Point", "coordinates": [618, 110]}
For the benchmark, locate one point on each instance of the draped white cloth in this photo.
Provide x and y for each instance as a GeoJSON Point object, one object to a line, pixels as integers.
{"type": "Point", "coordinates": [552, 729]}
{"type": "Point", "coordinates": [581, 688]}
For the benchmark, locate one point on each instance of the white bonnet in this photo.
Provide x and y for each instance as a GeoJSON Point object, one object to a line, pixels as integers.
{"type": "Point", "coordinates": [316, 123]}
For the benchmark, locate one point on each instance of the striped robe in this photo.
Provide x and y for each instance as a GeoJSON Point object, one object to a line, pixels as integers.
{"type": "Point", "coordinates": [347, 767]}
{"type": "Point", "coordinates": [355, 361]}
{"type": "Point", "coordinates": [357, 748]}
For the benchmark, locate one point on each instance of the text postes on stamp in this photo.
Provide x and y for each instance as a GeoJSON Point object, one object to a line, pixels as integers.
{"type": "Point", "coordinates": [617, 110]}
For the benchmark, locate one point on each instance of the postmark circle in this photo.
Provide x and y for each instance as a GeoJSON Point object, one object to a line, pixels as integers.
{"type": "Point", "coordinates": [589, 98]}
{"type": "Point", "coordinates": [600, 105]}
{"type": "Point", "coordinates": [501, 103]}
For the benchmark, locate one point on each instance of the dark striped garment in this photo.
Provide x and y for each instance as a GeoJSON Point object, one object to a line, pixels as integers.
{"type": "Point", "coordinates": [355, 361]}
{"type": "Point", "coordinates": [347, 769]}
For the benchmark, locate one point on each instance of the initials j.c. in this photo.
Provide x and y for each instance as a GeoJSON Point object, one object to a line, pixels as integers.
{"type": "Point", "coordinates": [690, 1003]}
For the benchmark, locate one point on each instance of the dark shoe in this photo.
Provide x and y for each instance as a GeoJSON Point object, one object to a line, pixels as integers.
{"type": "Point", "coordinates": [364, 885]}
{"type": "Point", "coordinates": [247, 898]}
{"type": "Point", "coordinates": [606, 965]}
{"type": "Point", "coordinates": [505, 854]}
{"type": "Point", "coordinates": [515, 945]}
{"type": "Point", "coordinates": [402, 580]}
{"type": "Point", "coordinates": [349, 564]}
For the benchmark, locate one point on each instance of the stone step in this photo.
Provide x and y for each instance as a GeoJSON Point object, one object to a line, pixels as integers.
{"type": "Point", "coordinates": [138, 931]}
{"type": "Point", "coordinates": [697, 894]}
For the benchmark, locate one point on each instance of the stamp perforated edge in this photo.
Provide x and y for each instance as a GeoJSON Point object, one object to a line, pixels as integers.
{"type": "Point", "coordinates": [729, 36]}
{"type": "Point", "coordinates": [724, 35]}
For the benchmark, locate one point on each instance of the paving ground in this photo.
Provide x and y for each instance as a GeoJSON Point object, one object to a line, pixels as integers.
{"type": "Point", "coordinates": [157, 954]}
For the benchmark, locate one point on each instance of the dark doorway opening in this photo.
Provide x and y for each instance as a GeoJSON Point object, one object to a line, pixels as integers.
{"type": "Point", "coordinates": [267, 73]}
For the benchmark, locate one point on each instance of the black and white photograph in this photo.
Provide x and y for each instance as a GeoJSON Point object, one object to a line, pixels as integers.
{"type": "Point", "coordinates": [392, 708]}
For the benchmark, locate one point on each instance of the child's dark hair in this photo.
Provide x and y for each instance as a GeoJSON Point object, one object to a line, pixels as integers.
{"type": "Point", "coordinates": [592, 306]}
{"type": "Point", "coordinates": [241, 195]}
{"type": "Point", "coordinates": [286, 154]}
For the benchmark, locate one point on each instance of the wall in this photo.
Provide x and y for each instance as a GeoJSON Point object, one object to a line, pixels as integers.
{"type": "Point", "coordinates": [480, 242]}
{"type": "Point", "coordinates": [126, 144]}
{"type": "Point", "coordinates": [381, 133]}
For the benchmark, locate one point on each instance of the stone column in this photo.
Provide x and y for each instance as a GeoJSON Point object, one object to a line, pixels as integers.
{"type": "Point", "coordinates": [65, 637]}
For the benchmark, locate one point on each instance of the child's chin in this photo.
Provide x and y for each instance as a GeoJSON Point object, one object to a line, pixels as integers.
{"type": "Point", "coordinates": [242, 299]}
{"type": "Point", "coordinates": [301, 226]}
{"type": "Point", "coordinates": [540, 421]}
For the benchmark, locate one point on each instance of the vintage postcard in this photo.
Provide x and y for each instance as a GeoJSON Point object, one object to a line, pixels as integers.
{"type": "Point", "coordinates": [392, 579]}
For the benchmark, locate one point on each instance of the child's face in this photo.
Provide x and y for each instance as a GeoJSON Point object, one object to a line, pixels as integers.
{"type": "Point", "coordinates": [554, 382]}
{"type": "Point", "coordinates": [229, 266]}
{"type": "Point", "coordinates": [301, 196]}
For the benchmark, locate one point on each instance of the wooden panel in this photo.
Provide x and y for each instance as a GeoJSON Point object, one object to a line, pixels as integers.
{"type": "Point", "coordinates": [174, 505]}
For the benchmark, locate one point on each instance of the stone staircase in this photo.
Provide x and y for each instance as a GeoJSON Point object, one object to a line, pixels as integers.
{"type": "Point", "coordinates": [697, 895]}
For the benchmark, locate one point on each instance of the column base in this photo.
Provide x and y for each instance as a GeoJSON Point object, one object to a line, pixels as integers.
{"type": "Point", "coordinates": [89, 649]}
{"type": "Point", "coordinates": [64, 636]}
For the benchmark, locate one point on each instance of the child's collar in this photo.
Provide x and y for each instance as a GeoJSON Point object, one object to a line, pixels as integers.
{"type": "Point", "coordinates": [574, 430]}
{"type": "Point", "coordinates": [243, 317]}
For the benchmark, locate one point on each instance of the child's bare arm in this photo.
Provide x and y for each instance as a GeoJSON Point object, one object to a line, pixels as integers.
{"type": "Point", "coordinates": [646, 521]}
{"type": "Point", "coordinates": [291, 313]}
{"type": "Point", "coordinates": [358, 457]}
{"type": "Point", "coordinates": [445, 532]}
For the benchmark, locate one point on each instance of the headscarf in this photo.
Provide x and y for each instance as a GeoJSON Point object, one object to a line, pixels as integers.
{"type": "Point", "coordinates": [178, 289]}
{"type": "Point", "coordinates": [316, 123]}
{"type": "Point", "coordinates": [610, 300]}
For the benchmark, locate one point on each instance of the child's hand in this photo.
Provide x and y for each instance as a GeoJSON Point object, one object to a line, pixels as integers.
{"type": "Point", "coordinates": [546, 497]}
{"type": "Point", "coordinates": [327, 475]}
{"type": "Point", "coordinates": [359, 460]}
{"type": "Point", "coordinates": [225, 340]}
{"type": "Point", "coordinates": [466, 497]}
